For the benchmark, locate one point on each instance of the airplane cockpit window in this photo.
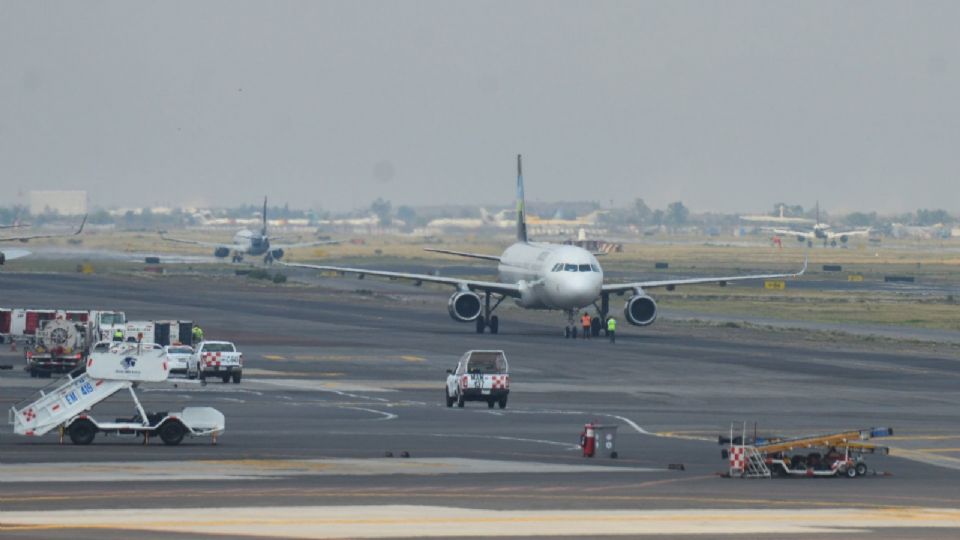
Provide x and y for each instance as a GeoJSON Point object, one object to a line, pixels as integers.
{"type": "Point", "coordinates": [557, 267]}
{"type": "Point", "coordinates": [570, 268]}
{"type": "Point", "coordinates": [585, 268]}
{"type": "Point", "coordinates": [596, 267]}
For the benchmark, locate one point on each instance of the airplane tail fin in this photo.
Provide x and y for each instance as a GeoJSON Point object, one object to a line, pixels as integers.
{"type": "Point", "coordinates": [263, 216]}
{"type": "Point", "coordinates": [521, 210]}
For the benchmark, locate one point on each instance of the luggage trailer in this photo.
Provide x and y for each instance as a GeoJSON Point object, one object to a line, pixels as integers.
{"type": "Point", "coordinates": [65, 405]}
{"type": "Point", "coordinates": [801, 456]}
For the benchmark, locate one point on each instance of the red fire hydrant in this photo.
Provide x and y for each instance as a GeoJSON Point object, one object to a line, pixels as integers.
{"type": "Point", "coordinates": [588, 440]}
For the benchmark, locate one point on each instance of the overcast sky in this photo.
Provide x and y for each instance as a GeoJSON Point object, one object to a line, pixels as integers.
{"type": "Point", "coordinates": [724, 105]}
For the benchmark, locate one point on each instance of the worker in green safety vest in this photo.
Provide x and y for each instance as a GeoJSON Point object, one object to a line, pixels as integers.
{"type": "Point", "coordinates": [612, 329]}
{"type": "Point", "coordinates": [118, 335]}
{"type": "Point", "coordinates": [197, 334]}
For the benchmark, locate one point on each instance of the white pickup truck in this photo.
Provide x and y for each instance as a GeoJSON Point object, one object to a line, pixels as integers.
{"type": "Point", "coordinates": [480, 376]}
{"type": "Point", "coordinates": [218, 359]}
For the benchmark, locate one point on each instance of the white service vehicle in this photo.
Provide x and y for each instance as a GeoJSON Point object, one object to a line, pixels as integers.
{"type": "Point", "coordinates": [121, 367]}
{"type": "Point", "coordinates": [219, 359]}
{"type": "Point", "coordinates": [182, 360]}
{"type": "Point", "coordinates": [479, 376]}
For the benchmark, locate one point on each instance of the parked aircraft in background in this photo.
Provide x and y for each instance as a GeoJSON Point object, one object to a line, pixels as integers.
{"type": "Point", "coordinates": [777, 219]}
{"type": "Point", "coordinates": [543, 276]}
{"type": "Point", "coordinates": [822, 231]}
{"type": "Point", "coordinates": [247, 242]}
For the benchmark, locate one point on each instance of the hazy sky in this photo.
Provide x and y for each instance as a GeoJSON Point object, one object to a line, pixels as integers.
{"type": "Point", "coordinates": [724, 105]}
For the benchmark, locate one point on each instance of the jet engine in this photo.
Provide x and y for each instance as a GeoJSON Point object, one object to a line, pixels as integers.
{"type": "Point", "coordinates": [800, 238]}
{"type": "Point", "coordinates": [844, 238]}
{"type": "Point", "coordinates": [640, 310]}
{"type": "Point", "coordinates": [277, 254]}
{"type": "Point", "coordinates": [221, 252]}
{"type": "Point", "coordinates": [464, 306]}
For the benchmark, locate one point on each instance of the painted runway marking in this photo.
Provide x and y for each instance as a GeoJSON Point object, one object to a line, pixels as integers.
{"type": "Point", "coordinates": [411, 358]}
{"type": "Point", "coordinates": [386, 415]}
{"type": "Point", "coordinates": [274, 357]}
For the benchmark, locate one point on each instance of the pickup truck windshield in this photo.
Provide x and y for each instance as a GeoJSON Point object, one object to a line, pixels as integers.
{"type": "Point", "coordinates": [486, 362]}
{"type": "Point", "coordinates": [218, 347]}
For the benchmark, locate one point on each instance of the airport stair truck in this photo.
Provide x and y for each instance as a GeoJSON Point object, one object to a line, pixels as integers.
{"type": "Point", "coordinates": [66, 405]}
{"type": "Point", "coordinates": [842, 454]}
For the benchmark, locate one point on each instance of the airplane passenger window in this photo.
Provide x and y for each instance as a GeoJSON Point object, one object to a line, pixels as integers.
{"type": "Point", "coordinates": [570, 267]}
{"type": "Point", "coordinates": [585, 268]}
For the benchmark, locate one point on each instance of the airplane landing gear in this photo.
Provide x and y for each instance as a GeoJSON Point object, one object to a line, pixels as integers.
{"type": "Point", "coordinates": [571, 330]}
{"type": "Point", "coordinates": [488, 320]}
{"type": "Point", "coordinates": [237, 258]}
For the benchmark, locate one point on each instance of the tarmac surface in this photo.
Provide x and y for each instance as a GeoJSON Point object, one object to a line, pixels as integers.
{"type": "Point", "coordinates": [338, 375]}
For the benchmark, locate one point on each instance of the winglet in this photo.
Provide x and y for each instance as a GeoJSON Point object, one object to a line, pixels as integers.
{"type": "Point", "coordinates": [82, 223]}
{"type": "Point", "coordinates": [521, 211]}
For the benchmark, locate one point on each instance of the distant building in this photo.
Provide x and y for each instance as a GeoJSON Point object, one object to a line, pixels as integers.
{"type": "Point", "coordinates": [65, 203]}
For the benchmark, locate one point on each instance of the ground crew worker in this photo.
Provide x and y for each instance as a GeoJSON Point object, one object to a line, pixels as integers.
{"type": "Point", "coordinates": [612, 329]}
{"type": "Point", "coordinates": [585, 322]}
{"type": "Point", "coordinates": [118, 335]}
{"type": "Point", "coordinates": [197, 333]}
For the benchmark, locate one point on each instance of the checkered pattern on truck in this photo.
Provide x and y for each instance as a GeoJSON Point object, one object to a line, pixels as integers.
{"type": "Point", "coordinates": [493, 382]}
{"type": "Point", "coordinates": [215, 359]}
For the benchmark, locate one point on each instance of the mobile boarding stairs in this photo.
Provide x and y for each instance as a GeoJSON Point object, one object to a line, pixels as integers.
{"type": "Point", "coordinates": [65, 404]}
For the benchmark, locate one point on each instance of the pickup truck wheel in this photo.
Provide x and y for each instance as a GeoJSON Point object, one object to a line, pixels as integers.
{"type": "Point", "coordinates": [225, 378]}
{"type": "Point", "coordinates": [82, 432]}
{"type": "Point", "coordinates": [861, 469]}
{"type": "Point", "coordinates": [33, 372]}
{"type": "Point", "coordinates": [171, 432]}
{"type": "Point", "coordinates": [503, 403]}
{"type": "Point", "coordinates": [191, 374]}
{"type": "Point", "coordinates": [236, 377]}
{"type": "Point", "coordinates": [490, 403]}
{"type": "Point", "coordinates": [460, 402]}
{"type": "Point", "coordinates": [447, 398]}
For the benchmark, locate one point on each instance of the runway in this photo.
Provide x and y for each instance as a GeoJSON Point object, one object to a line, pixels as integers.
{"type": "Point", "coordinates": [339, 375]}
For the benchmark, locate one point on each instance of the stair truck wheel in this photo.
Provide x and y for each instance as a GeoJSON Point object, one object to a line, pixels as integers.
{"type": "Point", "coordinates": [861, 469]}
{"type": "Point", "coordinates": [172, 432]}
{"type": "Point", "coordinates": [82, 432]}
{"type": "Point", "coordinates": [236, 377]}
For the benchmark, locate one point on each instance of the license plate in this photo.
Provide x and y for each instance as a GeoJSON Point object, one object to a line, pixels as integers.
{"type": "Point", "coordinates": [485, 391]}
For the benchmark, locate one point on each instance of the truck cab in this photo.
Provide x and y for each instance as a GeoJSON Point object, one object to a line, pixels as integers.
{"type": "Point", "coordinates": [479, 376]}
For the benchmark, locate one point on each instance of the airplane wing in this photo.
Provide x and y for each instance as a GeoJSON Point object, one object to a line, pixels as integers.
{"type": "Point", "coordinates": [464, 254]}
{"type": "Point", "coordinates": [235, 247]}
{"type": "Point", "coordinates": [787, 232]}
{"type": "Point", "coordinates": [859, 232]}
{"type": "Point", "coordinates": [507, 289]}
{"type": "Point", "coordinates": [11, 254]}
{"type": "Point", "coordinates": [305, 244]}
{"type": "Point", "coordinates": [38, 236]}
{"type": "Point", "coordinates": [624, 287]}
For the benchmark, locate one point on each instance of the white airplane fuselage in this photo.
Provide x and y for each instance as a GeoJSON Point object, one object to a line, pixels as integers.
{"type": "Point", "coordinates": [256, 244]}
{"type": "Point", "coordinates": [551, 276]}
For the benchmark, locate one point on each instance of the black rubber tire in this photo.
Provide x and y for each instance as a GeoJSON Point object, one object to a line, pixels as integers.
{"type": "Point", "coordinates": [447, 398]}
{"type": "Point", "coordinates": [171, 432]}
{"type": "Point", "coordinates": [851, 472]}
{"type": "Point", "coordinates": [595, 327]}
{"type": "Point", "coordinates": [494, 324]}
{"type": "Point", "coordinates": [460, 401]}
{"type": "Point", "coordinates": [861, 469]}
{"type": "Point", "coordinates": [573, 332]}
{"type": "Point", "coordinates": [225, 378]}
{"type": "Point", "coordinates": [45, 374]}
{"type": "Point", "coordinates": [481, 325]}
{"type": "Point", "coordinates": [490, 403]}
{"type": "Point", "coordinates": [33, 372]}
{"type": "Point", "coordinates": [237, 377]}
{"type": "Point", "coordinates": [82, 432]}
{"type": "Point", "coordinates": [502, 403]}
{"type": "Point", "coordinates": [566, 332]}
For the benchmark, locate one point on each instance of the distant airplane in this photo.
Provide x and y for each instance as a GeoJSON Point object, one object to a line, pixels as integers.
{"type": "Point", "coordinates": [543, 276]}
{"type": "Point", "coordinates": [821, 231]}
{"type": "Point", "coordinates": [247, 242]}
{"type": "Point", "coordinates": [11, 254]}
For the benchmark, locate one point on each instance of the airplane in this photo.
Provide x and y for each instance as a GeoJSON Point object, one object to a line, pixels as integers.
{"type": "Point", "coordinates": [777, 219]}
{"type": "Point", "coordinates": [11, 254]}
{"type": "Point", "coordinates": [543, 276]}
{"type": "Point", "coordinates": [247, 242]}
{"type": "Point", "coordinates": [822, 231]}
